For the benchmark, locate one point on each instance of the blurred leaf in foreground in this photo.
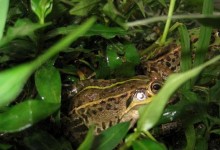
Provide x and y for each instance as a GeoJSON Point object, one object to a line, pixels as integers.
{"type": "Point", "coordinates": [25, 114]}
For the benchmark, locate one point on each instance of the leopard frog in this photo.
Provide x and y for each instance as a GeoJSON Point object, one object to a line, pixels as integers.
{"type": "Point", "coordinates": [105, 103]}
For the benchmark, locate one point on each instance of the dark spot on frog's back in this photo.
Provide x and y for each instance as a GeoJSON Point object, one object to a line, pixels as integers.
{"type": "Point", "coordinates": [168, 58]}
{"type": "Point", "coordinates": [108, 106]}
{"type": "Point", "coordinates": [176, 53]}
{"type": "Point", "coordinates": [111, 99]}
{"type": "Point", "coordinates": [100, 109]}
{"type": "Point", "coordinates": [168, 64]}
{"type": "Point", "coordinates": [173, 60]}
{"type": "Point", "coordinates": [94, 112]}
{"type": "Point", "coordinates": [173, 68]}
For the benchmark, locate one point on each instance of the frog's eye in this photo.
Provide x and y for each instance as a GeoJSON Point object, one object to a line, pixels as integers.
{"type": "Point", "coordinates": [155, 87]}
{"type": "Point", "coordinates": [140, 95]}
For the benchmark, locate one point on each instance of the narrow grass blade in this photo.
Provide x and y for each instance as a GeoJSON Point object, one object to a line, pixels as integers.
{"type": "Point", "coordinates": [185, 62]}
{"type": "Point", "coordinates": [204, 36]}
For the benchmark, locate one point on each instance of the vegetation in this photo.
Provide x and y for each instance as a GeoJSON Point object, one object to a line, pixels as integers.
{"type": "Point", "coordinates": [46, 44]}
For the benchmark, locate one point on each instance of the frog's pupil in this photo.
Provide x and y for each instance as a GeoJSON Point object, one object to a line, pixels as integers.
{"type": "Point", "coordinates": [156, 86]}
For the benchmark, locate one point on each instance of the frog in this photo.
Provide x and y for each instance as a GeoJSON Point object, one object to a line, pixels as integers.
{"type": "Point", "coordinates": [105, 103]}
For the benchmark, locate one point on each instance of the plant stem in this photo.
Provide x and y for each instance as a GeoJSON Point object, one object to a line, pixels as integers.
{"type": "Point", "coordinates": [167, 26]}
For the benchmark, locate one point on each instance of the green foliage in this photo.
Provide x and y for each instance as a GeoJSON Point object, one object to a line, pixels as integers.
{"type": "Point", "coordinates": [22, 27]}
{"type": "Point", "coordinates": [41, 8]}
{"type": "Point", "coordinates": [40, 60]}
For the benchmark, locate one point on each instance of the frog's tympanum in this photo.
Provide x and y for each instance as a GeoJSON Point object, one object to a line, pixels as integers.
{"type": "Point", "coordinates": [108, 103]}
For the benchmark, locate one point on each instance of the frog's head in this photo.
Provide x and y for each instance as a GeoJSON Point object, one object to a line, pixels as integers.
{"type": "Point", "coordinates": [141, 96]}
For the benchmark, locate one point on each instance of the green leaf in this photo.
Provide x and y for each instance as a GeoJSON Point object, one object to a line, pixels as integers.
{"type": "Point", "coordinates": [122, 59]}
{"type": "Point", "coordinates": [3, 15]}
{"type": "Point", "coordinates": [204, 36]}
{"type": "Point", "coordinates": [41, 8]}
{"type": "Point", "coordinates": [190, 137]}
{"type": "Point", "coordinates": [111, 137]}
{"type": "Point", "coordinates": [113, 59]}
{"type": "Point", "coordinates": [147, 145]}
{"type": "Point", "coordinates": [48, 83]}
{"type": "Point", "coordinates": [110, 10]}
{"type": "Point", "coordinates": [13, 80]}
{"type": "Point", "coordinates": [147, 118]}
{"type": "Point", "coordinates": [87, 143]}
{"type": "Point", "coordinates": [83, 7]}
{"type": "Point", "coordinates": [25, 114]}
{"type": "Point", "coordinates": [185, 62]}
{"type": "Point", "coordinates": [97, 29]}
{"type": "Point", "coordinates": [22, 27]}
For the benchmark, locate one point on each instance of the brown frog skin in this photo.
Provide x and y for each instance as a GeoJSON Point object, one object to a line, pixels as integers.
{"type": "Point", "coordinates": [105, 105]}
{"type": "Point", "coordinates": [165, 65]}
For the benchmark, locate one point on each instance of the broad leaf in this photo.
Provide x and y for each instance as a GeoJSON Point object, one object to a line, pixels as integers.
{"type": "Point", "coordinates": [48, 83]}
{"type": "Point", "coordinates": [41, 8]}
{"type": "Point", "coordinates": [25, 114]}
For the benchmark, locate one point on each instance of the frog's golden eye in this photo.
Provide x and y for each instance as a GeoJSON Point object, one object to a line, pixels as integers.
{"type": "Point", "coordinates": [155, 87]}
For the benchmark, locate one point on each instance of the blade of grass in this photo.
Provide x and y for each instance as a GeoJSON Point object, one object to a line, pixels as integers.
{"type": "Point", "coordinates": [167, 26]}
{"type": "Point", "coordinates": [3, 15]}
{"type": "Point", "coordinates": [200, 17]}
{"type": "Point", "coordinates": [147, 118]}
{"type": "Point", "coordinates": [185, 62]}
{"type": "Point", "coordinates": [204, 36]}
